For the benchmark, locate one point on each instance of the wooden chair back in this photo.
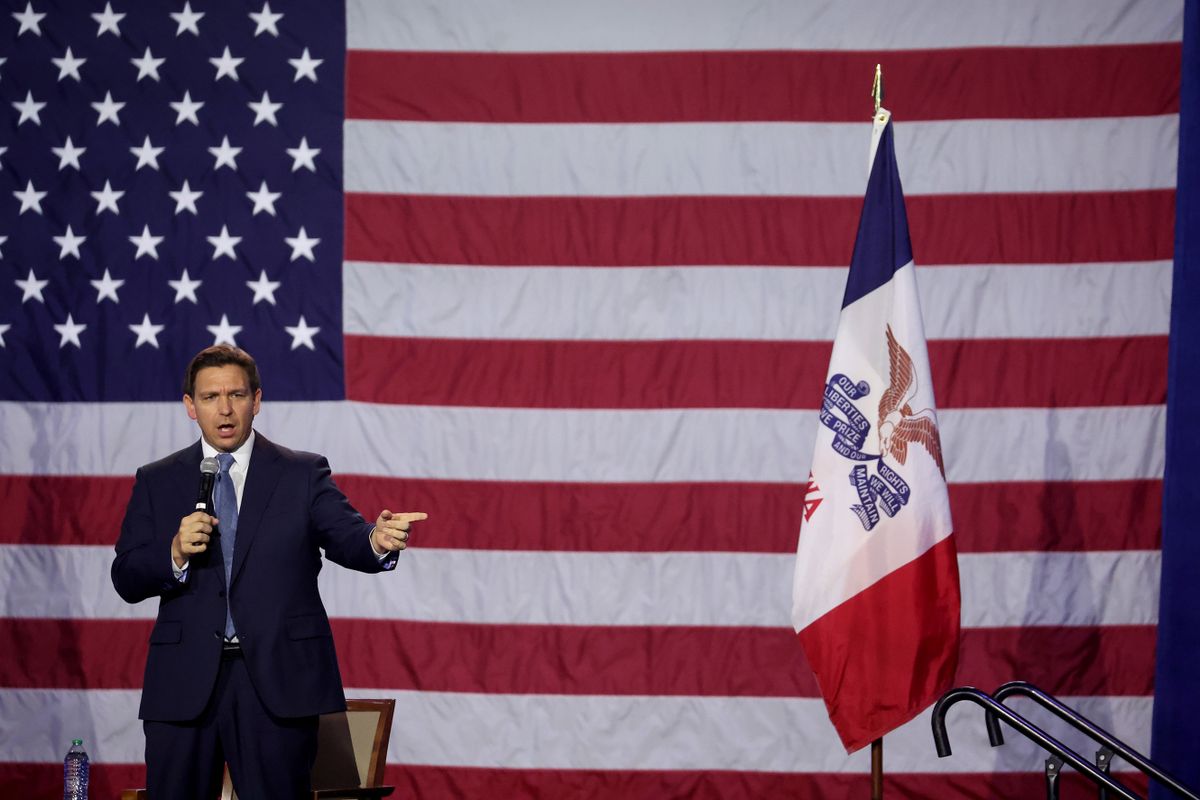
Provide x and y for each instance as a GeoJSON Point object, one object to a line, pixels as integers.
{"type": "Point", "coordinates": [352, 745]}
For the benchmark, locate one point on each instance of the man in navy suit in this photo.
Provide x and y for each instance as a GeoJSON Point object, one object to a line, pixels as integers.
{"type": "Point", "coordinates": [241, 656]}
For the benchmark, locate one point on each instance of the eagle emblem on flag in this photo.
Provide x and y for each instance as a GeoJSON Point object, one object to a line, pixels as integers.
{"type": "Point", "coordinates": [899, 426]}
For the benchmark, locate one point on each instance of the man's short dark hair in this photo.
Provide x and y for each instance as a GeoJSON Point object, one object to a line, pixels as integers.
{"type": "Point", "coordinates": [221, 355]}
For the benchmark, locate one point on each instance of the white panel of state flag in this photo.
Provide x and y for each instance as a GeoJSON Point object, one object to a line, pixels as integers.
{"type": "Point", "coordinates": [838, 554]}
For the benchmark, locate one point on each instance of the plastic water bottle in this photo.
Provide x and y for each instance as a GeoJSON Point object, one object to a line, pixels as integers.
{"type": "Point", "coordinates": [75, 772]}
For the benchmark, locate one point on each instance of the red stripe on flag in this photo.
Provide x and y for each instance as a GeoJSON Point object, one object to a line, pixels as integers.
{"type": "Point", "coordinates": [468, 782]}
{"type": "Point", "coordinates": [74, 653]}
{"type": "Point", "coordinates": [1050, 228]}
{"type": "Point", "coordinates": [755, 518]}
{"type": "Point", "coordinates": [1057, 516]}
{"type": "Point", "coordinates": [586, 374]}
{"type": "Point", "coordinates": [981, 373]}
{"type": "Point", "coordinates": [585, 660]}
{"type": "Point", "coordinates": [108, 780]}
{"type": "Point", "coordinates": [912, 616]}
{"type": "Point", "coordinates": [1088, 661]}
{"type": "Point", "coordinates": [958, 83]}
{"type": "Point", "coordinates": [766, 231]}
{"type": "Point", "coordinates": [1049, 373]}
{"type": "Point", "coordinates": [666, 517]}
{"type": "Point", "coordinates": [63, 509]}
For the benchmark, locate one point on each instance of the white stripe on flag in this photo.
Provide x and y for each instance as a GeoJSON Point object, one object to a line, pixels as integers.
{"type": "Point", "coordinates": [1105, 443]}
{"type": "Point", "coordinates": [580, 732]}
{"type": "Point", "coordinates": [755, 158]}
{"type": "Point", "coordinates": [654, 25]}
{"type": "Point", "coordinates": [746, 303]}
{"type": "Point", "coordinates": [527, 588]}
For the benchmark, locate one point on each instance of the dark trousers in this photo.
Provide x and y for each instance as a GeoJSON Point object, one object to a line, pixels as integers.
{"type": "Point", "coordinates": [270, 758]}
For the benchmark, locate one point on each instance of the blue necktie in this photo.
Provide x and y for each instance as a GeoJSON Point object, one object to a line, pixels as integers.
{"type": "Point", "coordinates": [225, 504]}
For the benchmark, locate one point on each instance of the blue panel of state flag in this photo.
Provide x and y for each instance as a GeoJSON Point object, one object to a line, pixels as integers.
{"type": "Point", "coordinates": [170, 178]}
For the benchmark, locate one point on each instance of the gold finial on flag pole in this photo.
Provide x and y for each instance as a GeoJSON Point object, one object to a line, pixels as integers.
{"type": "Point", "coordinates": [880, 120]}
{"type": "Point", "coordinates": [877, 88]}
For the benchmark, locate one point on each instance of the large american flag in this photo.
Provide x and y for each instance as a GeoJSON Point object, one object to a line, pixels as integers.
{"type": "Point", "coordinates": [565, 276]}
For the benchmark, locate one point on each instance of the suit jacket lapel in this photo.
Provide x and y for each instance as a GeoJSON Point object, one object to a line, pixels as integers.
{"type": "Point", "coordinates": [261, 480]}
{"type": "Point", "coordinates": [185, 473]}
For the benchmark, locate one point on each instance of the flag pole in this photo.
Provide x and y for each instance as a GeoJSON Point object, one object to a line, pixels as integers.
{"type": "Point", "coordinates": [877, 769]}
{"type": "Point", "coordinates": [877, 745]}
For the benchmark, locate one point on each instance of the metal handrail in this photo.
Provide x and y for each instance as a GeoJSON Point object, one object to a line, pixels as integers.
{"type": "Point", "coordinates": [941, 740]}
{"type": "Point", "coordinates": [1083, 725]}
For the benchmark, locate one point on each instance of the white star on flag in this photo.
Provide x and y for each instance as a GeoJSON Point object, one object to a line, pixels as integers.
{"type": "Point", "coordinates": [69, 65]}
{"type": "Point", "coordinates": [31, 288]}
{"type": "Point", "coordinates": [264, 199]}
{"type": "Point", "coordinates": [227, 65]}
{"type": "Point", "coordinates": [69, 331]}
{"type": "Point", "coordinates": [224, 333]}
{"type": "Point", "coordinates": [223, 243]}
{"type": "Point", "coordinates": [185, 288]}
{"type": "Point", "coordinates": [225, 155]}
{"type": "Point", "coordinates": [69, 243]}
{"type": "Point", "coordinates": [266, 20]}
{"type": "Point", "coordinates": [3, 239]}
{"type": "Point", "coordinates": [147, 332]}
{"type": "Point", "coordinates": [30, 198]}
{"type": "Point", "coordinates": [29, 20]}
{"type": "Point", "coordinates": [68, 154]}
{"type": "Point", "coordinates": [3, 330]}
{"type": "Point", "coordinates": [185, 199]}
{"type": "Point", "coordinates": [302, 245]}
{"type": "Point", "coordinates": [109, 21]}
{"type": "Point", "coordinates": [147, 155]}
{"type": "Point", "coordinates": [30, 109]}
{"type": "Point", "coordinates": [303, 155]}
{"type": "Point", "coordinates": [264, 110]}
{"type": "Point", "coordinates": [148, 65]}
{"type": "Point", "coordinates": [263, 288]}
{"type": "Point", "coordinates": [108, 109]}
{"type": "Point", "coordinates": [107, 198]}
{"type": "Point", "coordinates": [302, 334]}
{"type": "Point", "coordinates": [106, 288]}
{"type": "Point", "coordinates": [306, 66]}
{"type": "Point", "coordinates": [146, 243]}
{"type": "Point", "coordinates": [186, 109]}
{"type": "Point", "coordinates": [187, 20]}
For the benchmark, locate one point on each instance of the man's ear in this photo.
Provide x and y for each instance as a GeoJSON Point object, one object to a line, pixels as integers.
{"type": "Point", "coordinates": [257, 402]}
{"type": "Point", "coordinates": [190, 406]}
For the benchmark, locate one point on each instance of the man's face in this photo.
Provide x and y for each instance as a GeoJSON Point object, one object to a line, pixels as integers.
{"type": "Point", "coordinates": [223, 405]}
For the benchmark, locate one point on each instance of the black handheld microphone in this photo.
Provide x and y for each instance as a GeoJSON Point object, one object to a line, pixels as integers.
{"type": "Point", "coordinates": [208, 476]}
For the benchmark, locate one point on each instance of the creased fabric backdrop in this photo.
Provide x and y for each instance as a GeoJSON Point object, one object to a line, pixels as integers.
{"type": "Point", "coordinates": [593, 256]}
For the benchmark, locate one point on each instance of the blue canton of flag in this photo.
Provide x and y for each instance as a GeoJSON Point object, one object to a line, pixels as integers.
{"type": "Point", "coordinates": [170, 178]}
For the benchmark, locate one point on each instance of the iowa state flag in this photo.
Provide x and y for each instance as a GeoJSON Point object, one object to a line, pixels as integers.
{"type": "Point", "coordinates": [875, 598]}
